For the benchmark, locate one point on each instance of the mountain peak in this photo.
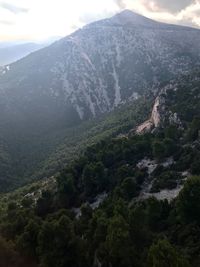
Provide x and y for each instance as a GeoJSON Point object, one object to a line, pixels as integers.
{"type": "Point", "coordinates": [128, 17]}
{"type": "Point", "coordinates": [128, 13]}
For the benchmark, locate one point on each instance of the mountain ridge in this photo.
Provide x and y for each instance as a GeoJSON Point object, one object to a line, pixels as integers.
{"type": "Point", "coordinates": [76, 42]}
{"type": "Point", "coordinates": [128, 17]}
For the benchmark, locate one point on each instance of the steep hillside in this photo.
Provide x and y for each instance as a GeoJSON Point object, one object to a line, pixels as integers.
{"type": "Point", "coordinates": [83, 76]}
{"type": "Point", "coordinates": [109, 207]}
{"type": "Point", "coordinates": [98, 67]}
{"type": "Point", "coordinates": [26, 155]}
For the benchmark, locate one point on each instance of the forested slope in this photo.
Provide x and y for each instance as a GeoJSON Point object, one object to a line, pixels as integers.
{"type": "Point", "coordinates": [95, 212]}
{"type": "Point", "coordinates": [27, 157]}
{"type": "Point", "coordinates": [67, 87]}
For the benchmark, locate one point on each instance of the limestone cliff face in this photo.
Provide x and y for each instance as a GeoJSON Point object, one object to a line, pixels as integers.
{"type": "Point", "coordinates": [155, 115]}
{"type": "Point", "coordinates": [154, 120]}
{"type": "Point", "coordinates": [161, 114]}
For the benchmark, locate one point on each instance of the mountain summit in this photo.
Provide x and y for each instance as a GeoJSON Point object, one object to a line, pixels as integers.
{"type": "Point", "coordinates": [128, 17]}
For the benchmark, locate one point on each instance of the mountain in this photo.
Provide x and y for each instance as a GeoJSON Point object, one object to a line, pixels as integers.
{"type": "Point", "coordinates": [11, 53]}
{"type": "Point", "coordinates": [130, 191]}
{"type": "Point", "coordinates": [126, 201]}
{"type": "Point", "coordinates": [102, 65]}
{"type": "Point", "coordinates": [105, 64]}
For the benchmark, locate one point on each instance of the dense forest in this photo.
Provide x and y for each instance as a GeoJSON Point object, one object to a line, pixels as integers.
{"type": "Point", "coordinates": [29, 155]}
{"type": "Point", "coordinates": [93, 212]}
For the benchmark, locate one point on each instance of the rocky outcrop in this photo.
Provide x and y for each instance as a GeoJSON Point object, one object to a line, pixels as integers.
{"type": "Point", "coordinates": [161, 114]}
{"type": "Point", "coordinates": [154, 120]}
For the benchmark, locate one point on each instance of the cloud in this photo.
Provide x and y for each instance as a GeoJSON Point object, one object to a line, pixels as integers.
{"type": "Point", "coordinates": [167, 5]}
{"type": "Point", "coordinates": [6, 22]}
{"type": "Point", "coordinates": [191, 15]}
{"type": "Point", "coordinates": [93, 10]}
{"type": "Point", "coordinates": [121, 4]}
{"type": "Point", "coordinates": [89, 17]}
{"type": "Point", "coordinates": [182, 12]}
{"type": "Point", "coordinates": [36, 19]}
{"type": "Point", "coordinates": [12, 8]}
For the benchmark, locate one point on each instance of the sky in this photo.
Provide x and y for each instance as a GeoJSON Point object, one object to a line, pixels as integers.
{"type": "Point", "coordinates": [37, 20]}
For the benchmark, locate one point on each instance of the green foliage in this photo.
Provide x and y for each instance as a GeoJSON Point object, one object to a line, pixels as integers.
{"type": "Point", "coordinates": [158, 150]}
{"type": "Point", "coordinates": [62, 221]}
{"type": "Point", "coordinates": [66, 188]}
{"type": "Point", "coordinates": [157, 214]}
{"type": "Point", "coordinates": [129, 188]}
{"type": "Point", "coordinates": [27, 242]}
{"type": "Point", "coordinates": [189, 200]}
{"type": "Point", "coordinates": [57, 245]}
{"type": "Point", "coordinates": [164, 148]}
{"type": "Point", "coordinates": [166, 180]}
{"type": "Point", "coordinates": [44, 204]}
{"type": "Point", "coordinates": [195, 166]}
{"type": "Point", "coordinates": [118, 243]}
{"type": "Point", "coordinates": [185, 158]}
{"type": "Point", "coordinates": [194, 128]}
{"type": "Point", "coordinates": [94, 178]}
{"type": "Point", "coordinates": [172, 132]}
{"type": "Point", "coordinates": [117, 233]}
{"type": "Point", "coordinates": [38, 151]}
{"type": "Point", "coordinates": [162, 254]}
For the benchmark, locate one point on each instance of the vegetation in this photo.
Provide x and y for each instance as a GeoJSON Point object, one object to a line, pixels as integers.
{"type": "Point", "coordinates": [45, 229]}
{"type": "Point", "coordinates": [64, 221]}
{"type": "Point", "coordinates": [27, 156]}
{"type": "Point", "coordinates": [148, 233]}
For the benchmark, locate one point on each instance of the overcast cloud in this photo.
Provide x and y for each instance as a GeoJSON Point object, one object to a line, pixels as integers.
{"type": "Point", "coordinates": [41, 19]}
{"type": "Point", "coordinates": [12, 8]}
{"type": "Point", "coordinates": [173, 6]}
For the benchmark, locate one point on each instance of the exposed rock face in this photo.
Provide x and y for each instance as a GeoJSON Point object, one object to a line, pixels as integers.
{"type": "Point", "coordinates": [154, 120]}
{"type": "Point", "coordinates": [161, 113]}
{"type": "Point", "coordinates": [155, 116]}
{"type": "Point", "coordinates": [145, 127]}
{"type": "Point", "coordinates": [151, 165]}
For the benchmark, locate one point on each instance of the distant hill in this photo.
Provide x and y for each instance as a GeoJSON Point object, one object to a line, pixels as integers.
{"type": "Point", "coordinates": [12, 53]}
